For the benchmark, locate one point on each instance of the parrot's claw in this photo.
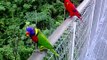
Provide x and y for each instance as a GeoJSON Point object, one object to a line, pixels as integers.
{"type": "Point", "coordinates": [37, 51]}
{"type": "Point", "coordinates": [69, 16]}
{"type": "Point", "coordinates": [43, 49]}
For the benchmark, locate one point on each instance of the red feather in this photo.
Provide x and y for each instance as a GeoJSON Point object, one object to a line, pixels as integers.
{"type": "Point", "coordinates": [71, 9]}
{"type": "Point", "coordinates": [34, 39]}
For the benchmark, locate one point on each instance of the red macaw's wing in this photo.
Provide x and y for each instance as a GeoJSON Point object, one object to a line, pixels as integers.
{"type": "Point", "coordinates": [68, 5]}
{"type": "Point", "coordinates": [71, 9]}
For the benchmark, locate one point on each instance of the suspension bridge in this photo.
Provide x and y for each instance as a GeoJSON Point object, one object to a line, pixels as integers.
{"type": "Point", "coordinates": [74, 40]}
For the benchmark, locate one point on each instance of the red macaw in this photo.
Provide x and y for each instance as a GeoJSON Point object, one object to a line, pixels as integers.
{"type": "Point", "coordinates": [69, 6]}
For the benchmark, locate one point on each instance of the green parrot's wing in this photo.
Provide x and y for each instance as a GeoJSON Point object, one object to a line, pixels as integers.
{"type": "Point", "coordinates": [42, 40]}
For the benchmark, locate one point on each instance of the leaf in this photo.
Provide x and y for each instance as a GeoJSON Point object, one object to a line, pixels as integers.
{"type": "Point", "coordinates": [26, 6]}
{"type": "Point", "coordinates": [27, 23]}
{"type": "Point", "coordinates": [2, 8]}
{"type": "Point", "coordinates": [14, 6]}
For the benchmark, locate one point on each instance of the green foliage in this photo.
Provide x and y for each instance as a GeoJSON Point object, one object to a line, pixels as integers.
{"type": "Point", "coordinates": [6, 53]}
{"type": "Point", "coordinates": [44, 14]}
{"type": "Point", "coordinates": [2, 8]}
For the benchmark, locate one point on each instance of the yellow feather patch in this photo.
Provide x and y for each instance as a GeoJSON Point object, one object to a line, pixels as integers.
{"type": "Point", "coordinates": [36, 30]}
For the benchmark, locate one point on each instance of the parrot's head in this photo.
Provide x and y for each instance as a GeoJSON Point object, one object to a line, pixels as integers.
{"type": "Point", "coordinates": [30, 31]}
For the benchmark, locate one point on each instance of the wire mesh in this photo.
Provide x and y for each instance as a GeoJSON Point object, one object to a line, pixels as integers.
{"type": "Point", "coordinates": [83, 31]}
{"type": "Point", "coordinates": [65, 41]}
{"type": "Point", "coordinates": [97, 43]}
{"type": "Point", "coordinates": [64, 44]}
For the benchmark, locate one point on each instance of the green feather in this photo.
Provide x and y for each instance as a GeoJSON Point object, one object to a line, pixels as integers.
{"type": "Point", "coordinates": [52, 50]}
{"type": "Point", "coordinates": [43, 41]}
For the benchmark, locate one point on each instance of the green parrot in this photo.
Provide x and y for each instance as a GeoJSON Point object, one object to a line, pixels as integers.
{"type": "Point", "coordinates": [38, 37]}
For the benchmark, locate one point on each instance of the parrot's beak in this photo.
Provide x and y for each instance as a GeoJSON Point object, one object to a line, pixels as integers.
{"type": "Point", "coordinates": [27, 34]}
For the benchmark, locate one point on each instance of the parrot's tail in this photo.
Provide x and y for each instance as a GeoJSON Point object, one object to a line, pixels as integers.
{"type": "Point", "coordinates": [52, 50]}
